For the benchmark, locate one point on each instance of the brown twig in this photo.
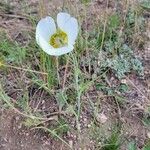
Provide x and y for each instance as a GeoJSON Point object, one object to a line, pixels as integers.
{"type": "Point", "coordinates": [23, 69]}
{"type": "Point", "coordinates": [137, 89]}
{"type": "Point", "coordinates": [13, 16]}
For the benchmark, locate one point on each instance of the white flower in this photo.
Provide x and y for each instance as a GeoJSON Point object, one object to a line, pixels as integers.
{"type": "Point", "coordinates": [58, 40]}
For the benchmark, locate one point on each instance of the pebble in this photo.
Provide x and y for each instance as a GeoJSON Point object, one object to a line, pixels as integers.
{"type": "Point", "coordinates": [68, 133]}
{"type": "Point", "coordinates": [101, 118]}
{"type": "Point", "coordinates": [27, 134]}
{"type": "Point", "coordinates": [20, 126]}
{"type": "Point", "coordinates": [71, 143]}
{"type": "Point", "coordinates": [89, 125]}
{"type": "Point", "coordinates": [17, 118]}
{"type": "Point", "coordinates": [124, 81]}
{"type": "Point", "coordinates": [148, 135]}
{"type": "Point", "coordinates": [85, 119]}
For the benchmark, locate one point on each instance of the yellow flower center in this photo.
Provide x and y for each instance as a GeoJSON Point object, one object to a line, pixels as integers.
{"type": "Point", "coordinates": [59, 39]}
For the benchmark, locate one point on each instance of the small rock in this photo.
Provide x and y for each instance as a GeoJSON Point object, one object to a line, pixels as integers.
{"type": "Point", "coordinates": [101, 118]}
{"type": "Point", "coordinates": [124, 81]}
{"type": "Point", "coordinates": [19, 126]}
{"type": "Point", "coordinates": [78, 126]}
{"type": "Point", "coordinates": [17, 118]}
{"type": "Point", "coordinates": [89, 125]}
{"type": "Point", "coordinates": [68, 133]}
{"type": "Point", "coordinates": [148, 135]}
{"type": "Point", "coordinates": [27, 134]}
{"type": "Point", "coordinates": [85, 119]}
{"type": "Point", "coordinates": [71, 143]}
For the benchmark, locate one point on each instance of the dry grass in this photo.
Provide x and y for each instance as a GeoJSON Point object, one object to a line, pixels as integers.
{"type": "Point", "coordinates": [86, 101]}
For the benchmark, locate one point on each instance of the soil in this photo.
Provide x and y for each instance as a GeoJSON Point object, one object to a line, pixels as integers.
{"type": "Point", "coordinates": [13, 133]}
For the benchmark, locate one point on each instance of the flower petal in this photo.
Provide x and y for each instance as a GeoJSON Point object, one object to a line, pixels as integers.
{"type": "Point", "coordinates": [62, 19]}
{"type": "Point", "coordinates": [46, 47]}
{"type": "Point", "coordinates": [63, 50]}
{"type": "Point", "coordinates": [69, 25]}
{"type": "Point", "coordinates": [45, 28]}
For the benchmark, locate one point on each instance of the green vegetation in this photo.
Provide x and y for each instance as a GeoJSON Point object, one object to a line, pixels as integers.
{"type": "Point", "coordinates": [106, 51]}
{"type": "Point", "coordinates": [11, 52]}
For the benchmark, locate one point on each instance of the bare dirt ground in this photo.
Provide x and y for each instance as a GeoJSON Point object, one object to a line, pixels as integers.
{"type": "Point", "coordinates": [15, 136]}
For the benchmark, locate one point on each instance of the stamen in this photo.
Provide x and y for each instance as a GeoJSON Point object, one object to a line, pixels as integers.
{"type": "Point", "coordinates": [59, 39]}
